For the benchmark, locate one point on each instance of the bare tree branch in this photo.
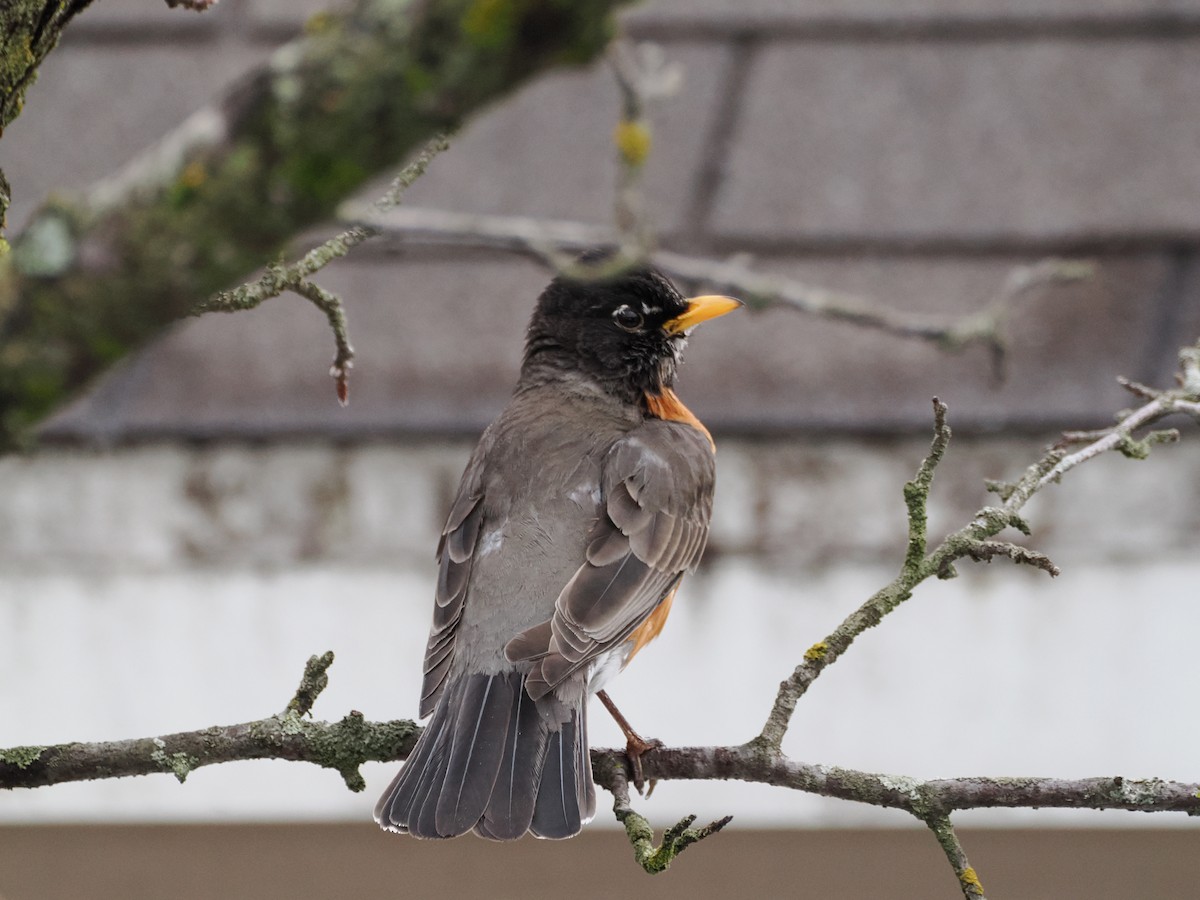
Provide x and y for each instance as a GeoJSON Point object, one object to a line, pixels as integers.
{"type": "Point", "coordinates": [974, 541]}
{"type": "Point", "coordinates": [943, 830]}
{"type": "Point", "coordinates": [351, 741]}
{"type": "Point", "coordinates": [548, 241]}
{"type": "Point", "coordinates": [342, 746]}
{"type": "Point", "coordinates": [610, 773]}
{"type": "Point", "coordinates": [30, 29]}
{"type": "Point", "coordinates": [1184, 400]}
{"type": "Point", "coordinates": [297, 277]}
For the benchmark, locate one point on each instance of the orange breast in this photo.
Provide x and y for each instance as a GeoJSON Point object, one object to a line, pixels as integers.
{"type": "Point", "coordinates": [667, 405]}
{"type": "Point", "coordinates": [649, 629]}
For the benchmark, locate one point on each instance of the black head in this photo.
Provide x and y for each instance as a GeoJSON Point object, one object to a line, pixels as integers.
{"type": "Point", "coordinates": [626, 333]}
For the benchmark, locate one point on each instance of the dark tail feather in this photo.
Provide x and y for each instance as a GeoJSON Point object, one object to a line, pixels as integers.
{"type": "Point", "coordinates": [475, 751]}
{"type": "Point", "coordinates": [444, 787]}
{"type": "Point", "coordinates": [398, 805]}
{"type": "Point", "coordinates": [423, 821]}
{"type": "Point", "coordinates": [566, 796]}
{"type": "Point", "coordinates": [494, 760]}
{"type": "Point", "coordinates": [510, 809]}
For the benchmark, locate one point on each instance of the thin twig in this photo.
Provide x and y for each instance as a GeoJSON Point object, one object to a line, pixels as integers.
{"type": "Point", "coordinates": [1120, 436]}
{"type": "Point", "coordinates": [975, 540]}
{"type": "Point", "coordinates": [653, 859]}
{"type": "Point", "coordinates": [314, 680]}
{"type": "Point", "coordinates": [343, 359]}
{"type": "Point", "coordinates": [297, 277]}
{"type": "Point", "coordinates": [552, 243]}
{"type": "Point", "coordinates": [643, 76]}
{"type": "Point", "coordinates": [948, 840]}
{"type": "Point", "coordinates": [916, 492]}
{"type": "Point", "coordinates": [824, 653]}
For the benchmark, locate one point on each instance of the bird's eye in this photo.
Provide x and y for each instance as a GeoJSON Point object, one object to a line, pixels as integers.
{"type": "Point", "coordinates": [627, 318]}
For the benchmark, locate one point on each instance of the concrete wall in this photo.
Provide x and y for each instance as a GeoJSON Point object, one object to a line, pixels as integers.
{"type": "Point", "coordinates": [160, 588]}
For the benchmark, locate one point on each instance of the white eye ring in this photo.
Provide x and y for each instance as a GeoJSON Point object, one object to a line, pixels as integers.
{"type": "Point", "coordinates": [627, 318]}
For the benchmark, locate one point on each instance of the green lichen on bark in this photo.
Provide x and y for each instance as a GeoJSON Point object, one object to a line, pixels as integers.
{"type": "Point", "coordinates": [178, 764]}
{"type": "Point", "coordinates": [314, 680]}
{"type": "Point", "coordinates": [656, 859]}
{"type": "Point", "coordinates": [21, 757]}
{"type": "Point", "coordinates": [351, 99]}
{"type": "Point", "coordinates": [916, 492]}
{"type": "Point", "coordinates": [29, 30]}
{"type": "Point", "coordinates": [349, 743]}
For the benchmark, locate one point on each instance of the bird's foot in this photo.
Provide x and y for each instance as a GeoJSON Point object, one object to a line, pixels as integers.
{"type": "Point", "coordinates": [635, 746]}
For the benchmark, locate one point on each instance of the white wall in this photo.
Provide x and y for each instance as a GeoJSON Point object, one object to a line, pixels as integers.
{"type": "Point", "coordinates": [158, 589]}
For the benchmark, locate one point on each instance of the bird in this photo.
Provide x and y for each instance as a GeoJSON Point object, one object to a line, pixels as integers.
{"type": "Point", "coordinates": [583, 505]}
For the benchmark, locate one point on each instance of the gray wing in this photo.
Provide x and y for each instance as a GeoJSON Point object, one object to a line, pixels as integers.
{"type": "Point", "coordinates": [455, 555]}
{"type": "Point", "coordinates": [656, 503]}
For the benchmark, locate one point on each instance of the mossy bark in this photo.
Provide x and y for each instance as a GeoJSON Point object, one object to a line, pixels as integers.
{"type": "Point", "coordinates": [92, 279]}
{"type": "Point", "coordinates": [29, 30]}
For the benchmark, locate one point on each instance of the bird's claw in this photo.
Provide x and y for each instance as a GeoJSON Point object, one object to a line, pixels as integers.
{"type": "Point", "coordinates": [635, 746]}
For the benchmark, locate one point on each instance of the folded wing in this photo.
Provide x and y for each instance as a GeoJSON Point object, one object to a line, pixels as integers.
{"type": "Point", "coordinates": [656, 491]}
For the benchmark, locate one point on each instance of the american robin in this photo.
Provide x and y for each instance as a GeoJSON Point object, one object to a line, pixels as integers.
{"type": "Point", "coordinates": [580, 510]}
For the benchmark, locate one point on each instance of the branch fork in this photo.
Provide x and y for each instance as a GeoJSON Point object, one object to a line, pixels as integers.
{"type": "Point", "coordinates": [297, 277]}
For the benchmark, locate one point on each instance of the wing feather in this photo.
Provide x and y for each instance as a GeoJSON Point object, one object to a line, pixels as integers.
{"type": "Point", "coordinates": [657, 488]}
{"type": "Point", "coordinates": [456, 551]}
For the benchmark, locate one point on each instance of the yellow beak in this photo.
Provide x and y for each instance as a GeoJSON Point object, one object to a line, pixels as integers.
{"type": "Point", "coordinates": [701, 309]}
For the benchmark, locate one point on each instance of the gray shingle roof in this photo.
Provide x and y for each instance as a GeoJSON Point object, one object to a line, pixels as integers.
{"type": "Point", "coordinates": [911, 151]}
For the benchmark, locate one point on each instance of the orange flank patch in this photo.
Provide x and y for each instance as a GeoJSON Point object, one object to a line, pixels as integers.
{"type": "Point", "coordinates": [650, 629]}
{"type": "Point", "coordinates": [667, 405]}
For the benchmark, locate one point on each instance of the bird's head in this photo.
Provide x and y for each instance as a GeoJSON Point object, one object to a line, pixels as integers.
{"type": "Point", "coordinates": [626, 333]}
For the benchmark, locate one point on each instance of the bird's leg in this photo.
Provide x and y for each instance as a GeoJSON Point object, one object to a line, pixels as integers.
{"type": "Point", "coordinates": [635, 744]}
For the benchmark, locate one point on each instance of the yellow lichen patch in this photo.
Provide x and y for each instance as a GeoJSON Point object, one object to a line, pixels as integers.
{"type": "Point", "coordinates": [318, 23]}
{"type": "Point", "coordinates": [971, 881]}
{"type": "Point", "coordinates": [816, 651]}
{"type": "Point", "coordinates": [193, 175]}
{"type": "Point", "coordinates": [490, 21]}
{"type": "Point", "coordinates": [633, 141]}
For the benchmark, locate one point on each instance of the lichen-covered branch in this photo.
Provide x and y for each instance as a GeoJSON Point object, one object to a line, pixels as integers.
{"type": "Point", "coordinates": [345, 745]}
{"type": "Point", "coordinates": [947, 838]}
{"type": "Point", "coordinates": [976, 540]}
{"type": "Point", "coordinates": [29, 30]}
{"type": "Point", "coordinates": [297, 276]}
{"type": "Point", "coordinates": [916, 492]}
{"type": "Point", "coordinates": [351, 741]}
{"type": "Point", "coordinates": [643, 76]}
{"type": "Point", "coordinates": [97, 276]}
{"type": "Point", "coordinates": [342, 746]}
{"type": "Point", "coordinates": [922, 799]}
{"type": "Point", "coordinates": [610, 774]}
{"type": "Point", "coordinates": [314, 680]}
{"type": "Point", "coordinates": [1184, 399]}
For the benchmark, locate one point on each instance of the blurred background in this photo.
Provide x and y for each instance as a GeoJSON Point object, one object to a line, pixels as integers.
{"type": "Point", "coordinates": [207, 517]}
